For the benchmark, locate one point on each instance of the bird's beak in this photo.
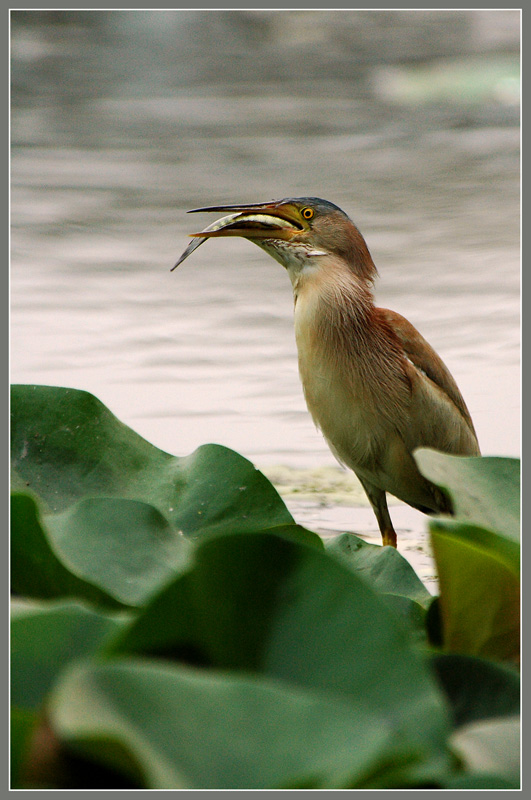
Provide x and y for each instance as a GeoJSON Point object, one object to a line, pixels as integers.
{"type": "Point", "coordinates": [258, 221]}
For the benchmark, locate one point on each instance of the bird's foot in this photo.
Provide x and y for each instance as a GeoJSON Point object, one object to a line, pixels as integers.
{"type": "Point", "coordinates": [389, 538]}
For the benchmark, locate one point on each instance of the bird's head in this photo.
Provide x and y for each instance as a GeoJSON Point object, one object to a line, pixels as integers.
{"type": "Point", "coordinates": [298, 232]}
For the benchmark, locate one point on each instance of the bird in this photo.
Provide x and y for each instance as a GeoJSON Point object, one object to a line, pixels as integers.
{"type": "Point", "coordinates": [373, 385]}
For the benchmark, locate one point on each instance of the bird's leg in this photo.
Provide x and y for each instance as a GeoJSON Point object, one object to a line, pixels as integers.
{"type": "Point", "coordinates": [378, 501]}
{"type": "Point", "coordinates": [388, 535]}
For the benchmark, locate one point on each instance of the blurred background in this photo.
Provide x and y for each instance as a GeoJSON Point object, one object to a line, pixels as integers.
{"type": "Point", "coordinates": [124, 120]}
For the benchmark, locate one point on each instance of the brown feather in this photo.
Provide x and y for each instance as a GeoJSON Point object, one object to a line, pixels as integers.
{"type": "Point", "coordinates": [424, 357]}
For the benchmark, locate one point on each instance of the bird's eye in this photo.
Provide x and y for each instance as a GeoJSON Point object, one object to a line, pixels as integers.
{"type": "Point", "coordinates": [307, 213]}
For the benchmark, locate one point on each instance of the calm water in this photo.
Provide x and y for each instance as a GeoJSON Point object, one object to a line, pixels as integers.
{"type": "Point", "coordinates": [101, 182]}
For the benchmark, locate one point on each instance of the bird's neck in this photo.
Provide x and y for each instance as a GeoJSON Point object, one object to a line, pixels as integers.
{"type": "Point", "coordinates": [331, 301]}
{"type": "Point", "coordinates": [345, 351]}
{"type": "Point", "coordinates": [337, 327]}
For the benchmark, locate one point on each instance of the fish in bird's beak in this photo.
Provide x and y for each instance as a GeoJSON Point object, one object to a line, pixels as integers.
{"type": "Point", "coordinates": [278, 220]}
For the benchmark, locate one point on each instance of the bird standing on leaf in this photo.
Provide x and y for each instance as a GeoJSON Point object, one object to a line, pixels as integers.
{"type": "Point", "coordinates": [372, 383]}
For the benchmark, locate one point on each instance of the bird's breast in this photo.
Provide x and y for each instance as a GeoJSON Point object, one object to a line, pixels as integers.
{"type": "Point", "coordinates": [341, 386]}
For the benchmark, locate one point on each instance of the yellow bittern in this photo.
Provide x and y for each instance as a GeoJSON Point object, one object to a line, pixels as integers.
{"type": "Point", "coordinates": [372, 383]}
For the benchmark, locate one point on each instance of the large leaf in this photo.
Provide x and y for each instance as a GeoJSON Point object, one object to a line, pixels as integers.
{"type": "Point", "coordinates": [107, 510]}
{"type": "Point", "coordinates": [503, 549]}
{"type": "Point", "coordinates": [479, 599]}
{"type": "Point", "coordinates": [484, 491]}
{"type": "Point", "coordinates": [269, 605]}
{"type": "Point", "coordinates": [412, 614]}
{"type": "Point", "coordinates": [388, 572]}
{"type": "Point", "coordinates": [477, 553]}
{"type": "Point", "coordinates": [477, 689]}
{"type": "Point", "coordinates": [66, 446]}
{"type": "Point", "coordinates": [182, 728]}
{"type": "Point", "coordinates": [107, 551]}
{"type": "Point", "coordinates": [126, 547]}
{"type": "Point", "coordinates": [383, 567]}
{"type": "Point", "coordinates": [36, 568]}
{"type": "Point", "coordinates": [45, 638]}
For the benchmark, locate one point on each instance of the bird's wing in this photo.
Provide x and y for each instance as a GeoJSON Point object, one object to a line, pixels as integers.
{"type": "Point", "coordinates": [425, 359]}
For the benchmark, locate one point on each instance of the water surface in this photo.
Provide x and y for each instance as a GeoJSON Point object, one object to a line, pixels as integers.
{"type": "Point", "coordinates": [101, 181]}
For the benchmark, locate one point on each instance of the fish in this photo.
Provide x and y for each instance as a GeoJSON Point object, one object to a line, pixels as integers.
{"type": "Point", "coordinates": [265, 221]}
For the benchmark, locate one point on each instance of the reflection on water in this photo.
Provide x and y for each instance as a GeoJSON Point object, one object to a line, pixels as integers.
{"type": "Point", "coordinates": [103, 170]}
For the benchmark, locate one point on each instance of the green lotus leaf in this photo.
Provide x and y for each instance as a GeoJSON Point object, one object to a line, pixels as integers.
{"type": "Point", "coordinates": [477, 553]}
{"type": "Point", "coordinates": [67, 446]}
{"type": "Point", "coordinates": [107, 551]}
{"type": "Point", "coordinates": [479, 595]}
{"type": "Point", "coordinates": [200, 729]}
{"type": "Point", "coordinates": [383, 567]}
{"type": "Point", "coordinates": [125, 547]}
{"type": "Point", "coordinates": [268, 605]}
{"type": "Point", "coordinates": [503, 549]}
{"type": "Point", "coordinates": [45, 638]}
{"type": "Point", "coordinates": [106, 514]}
{"type": "Point", "coordinates": [484, 491]}
{"type": "Point", "coordinates": [36, 567]}
{"type": "Point", "coordinates": [477, 689]}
